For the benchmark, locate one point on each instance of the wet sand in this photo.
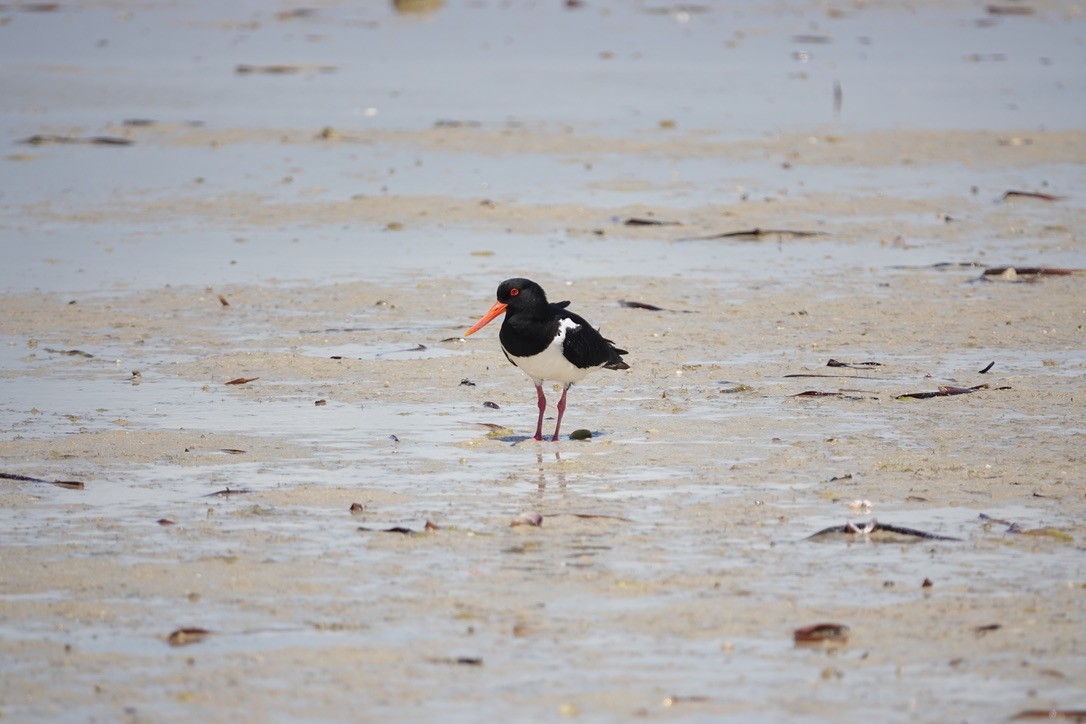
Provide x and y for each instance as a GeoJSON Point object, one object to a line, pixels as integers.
{"type": "Point", "coordinates": [673, 561]}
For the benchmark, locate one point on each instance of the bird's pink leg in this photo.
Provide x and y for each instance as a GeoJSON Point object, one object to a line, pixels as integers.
{"type": "Point", "coordinates": [561, 411]}
{"type": "Point", "coordinates": [542, 403]}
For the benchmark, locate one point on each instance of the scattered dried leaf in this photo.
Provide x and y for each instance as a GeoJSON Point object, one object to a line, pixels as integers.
{"type": "Point", "coordinates": [590, 516]}
{"type": "Point", "coordinates": [187, 636]}
{"type": "Point", "coordinates": [873, 526]}
{"type": "Point", "coordinates": [1029, 195]}
{"type": "Point", "coordinates": [853, 365]}
{"type": "Point", "coordinates": [42, 139]}
{"type": "Point", "coordinates": [640, 305]}
{"type": "Point", "coordinates": [947, 391]}
{"type": "Point", "coordinates": [829, 376]}
{"type": "Point", "coordinates": [394, 529]}
{"type": "Point", "coordinates": [458, 660]}
{"type": "Point", "coordinates": [225, 492]}
{"type": "Point", "coordinates": [70, 352]}
{"type": "Point", "coordinates": [819, 633]}
{"type": "Point", "coordinates": [756, 233]}
{"type": "Point", "coordinates": [942, 265]}
{"type": "Point", "coordinates": [1010, 10]}
{"type": "Point", "coordinates": [242, 380]}
{"type": "Point", "coordinates": [1011, 272]}
{"type": "Point", "coordinates": [639, 221]}
{"type": "Point", "coordinates": [496, 432]}
{"type": "Point", "coordinates": [66, 484]}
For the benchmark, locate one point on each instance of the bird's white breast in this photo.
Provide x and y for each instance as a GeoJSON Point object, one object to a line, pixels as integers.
{"type": "Point", "coordinates": [551, 363]}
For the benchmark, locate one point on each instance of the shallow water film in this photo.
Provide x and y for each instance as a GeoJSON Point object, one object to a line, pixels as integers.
{"type": "Point", "coordinates": [251, 468]}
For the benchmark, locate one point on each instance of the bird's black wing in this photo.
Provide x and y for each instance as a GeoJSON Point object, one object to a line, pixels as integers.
{"type": "Point", "coordinates": [586, 347]}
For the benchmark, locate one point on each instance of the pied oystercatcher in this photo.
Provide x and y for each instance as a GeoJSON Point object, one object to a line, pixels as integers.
{"type": "Point", "coordinates": [547, 342]}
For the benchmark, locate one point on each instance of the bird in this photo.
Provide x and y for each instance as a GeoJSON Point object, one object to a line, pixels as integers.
{"type": "Point", "coordinates": [548, 342]}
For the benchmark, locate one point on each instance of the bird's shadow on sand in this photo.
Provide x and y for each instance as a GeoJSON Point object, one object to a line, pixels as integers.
{"type": "Point", "coordinates": [518, 439]}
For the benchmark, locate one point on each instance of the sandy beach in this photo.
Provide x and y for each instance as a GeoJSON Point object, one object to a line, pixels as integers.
{"type": "Point", "coordinates": [232, 328]}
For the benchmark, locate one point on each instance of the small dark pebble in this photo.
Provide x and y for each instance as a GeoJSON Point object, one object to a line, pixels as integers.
{"type": "Point", "coordinates": [491, 405]}
{"type": "Point", "coordinates": [581, 434]}
{"type": "Point", "coordinates": [357, 508]}
{"type": "Point", "coordinates": [320, 403]}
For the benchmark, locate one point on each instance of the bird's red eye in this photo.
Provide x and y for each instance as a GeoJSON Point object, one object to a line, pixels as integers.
{"type": "Point", "coordinates": [514, 292]}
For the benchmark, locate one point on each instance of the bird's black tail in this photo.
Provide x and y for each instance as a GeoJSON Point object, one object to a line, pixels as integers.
{"type": "Point", "coordinates": [615, 362]}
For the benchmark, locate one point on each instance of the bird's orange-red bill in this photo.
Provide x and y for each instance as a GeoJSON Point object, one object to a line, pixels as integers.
{"type": "Point", "coordinates": [498, 308]}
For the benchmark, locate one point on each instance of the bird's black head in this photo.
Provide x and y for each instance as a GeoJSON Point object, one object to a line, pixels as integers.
{"type": "Point", "coordinates": [516, 296]}
{"type": "Point", "coordinates": [521, 294]}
